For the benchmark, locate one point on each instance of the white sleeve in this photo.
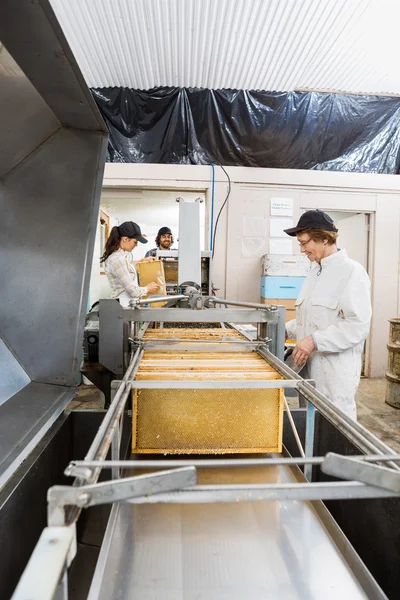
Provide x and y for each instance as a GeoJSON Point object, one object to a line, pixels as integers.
{"type": "Point", "coordinates": [355, 311]}
{"type": "Point", "coordinates": [290, 329]}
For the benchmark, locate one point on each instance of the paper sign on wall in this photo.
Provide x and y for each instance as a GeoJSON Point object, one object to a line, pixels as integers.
{"type": "Point", "coordinates": [281, 246]}
{"type": "Point", "coordinates": [282, 207]}
{"type": "Point", "coordinates": [277, 226]}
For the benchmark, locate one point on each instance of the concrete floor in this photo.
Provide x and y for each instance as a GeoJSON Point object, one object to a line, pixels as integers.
{"type": "Point", "coordinates": [377, 416]}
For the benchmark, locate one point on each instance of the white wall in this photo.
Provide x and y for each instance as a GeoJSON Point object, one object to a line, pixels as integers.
{"type": "Point", "coordinates": [238, 275]}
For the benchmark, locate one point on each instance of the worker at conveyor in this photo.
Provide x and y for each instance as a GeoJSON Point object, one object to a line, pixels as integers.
{"type": "Point", "coordinates": [119, 265]}
{"type": "Point", "coordinates": [164, 241]}
{"type": "Point", "coordinates": [333, 312]}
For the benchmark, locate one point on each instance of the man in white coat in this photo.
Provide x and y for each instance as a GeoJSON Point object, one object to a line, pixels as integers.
{"type": "Point", "coordinates": [333, 312]}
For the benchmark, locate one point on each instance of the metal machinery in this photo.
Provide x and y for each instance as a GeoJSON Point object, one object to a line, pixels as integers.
{"type": "Point", "coordinates": [317, 518]}
{"type": "Point", "coordinates": [248, 526]}
{"type": "Point", "coordinates": [186, 271]}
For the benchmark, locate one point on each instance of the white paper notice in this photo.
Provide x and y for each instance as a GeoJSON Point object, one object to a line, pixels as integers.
{"type": "Point", "coordinates": [253, 246]}
{"type": "Point", "coordinates": [254, 227]}
{"type": "Point", "coordinates": [277, 226]}
{"type": "Point", "coordinates": [281, 245]}
{"type": "Point", "coordinates": [282, 207]}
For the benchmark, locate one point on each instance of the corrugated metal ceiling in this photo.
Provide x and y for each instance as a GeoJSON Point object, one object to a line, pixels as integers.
{"type": "Point", "coordinates": [342, 45]}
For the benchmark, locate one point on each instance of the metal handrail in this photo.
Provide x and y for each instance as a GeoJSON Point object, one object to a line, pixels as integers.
{"type": "Point", "coordinates": [225, 462]}
{"type": "Point", "coordinates": [359, 435]}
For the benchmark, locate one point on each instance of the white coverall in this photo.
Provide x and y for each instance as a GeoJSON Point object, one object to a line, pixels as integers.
{"type": "Point", "coordinates": [334, 307]}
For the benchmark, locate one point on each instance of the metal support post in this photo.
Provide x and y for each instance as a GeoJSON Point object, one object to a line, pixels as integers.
{"type": "Point", "coordinates": [294, 429]}
{"type": "Point", "coordinates": [309, 445]}
{"type": "Point", "coordinates": [189, 264]}
{"type": "Point", "coordinates": [280, 333]}
{"type": "Point", "coordinates": [262, 332]}
{"type": "Point", "coordinates": [116, 440]}
{"type": "Point", "coordinates": [136, 327]}
{"type": "Point", "coordinates": [111, 335]}
{"type": "Point", "coordinates": [115, 450]}
{"type": "Point", "coordinates": [275, 330]}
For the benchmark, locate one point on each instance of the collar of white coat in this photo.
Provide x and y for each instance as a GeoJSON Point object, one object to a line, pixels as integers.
{"type": "Point", "coordinates": [338, 256]}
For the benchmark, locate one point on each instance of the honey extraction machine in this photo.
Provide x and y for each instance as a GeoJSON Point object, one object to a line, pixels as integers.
{"type": "Point", "coordinates": [197, 481]}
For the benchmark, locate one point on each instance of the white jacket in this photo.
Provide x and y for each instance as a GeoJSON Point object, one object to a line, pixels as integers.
{"type": "Point", "coordinates": [334, 307]}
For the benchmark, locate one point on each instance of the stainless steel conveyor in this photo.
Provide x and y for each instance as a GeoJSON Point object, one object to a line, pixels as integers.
{"type": "Point", "coordinates": [253, 550]}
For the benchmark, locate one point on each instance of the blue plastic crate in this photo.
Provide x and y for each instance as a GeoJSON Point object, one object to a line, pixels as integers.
{"type": "Point", "coordinates": [284, 288]}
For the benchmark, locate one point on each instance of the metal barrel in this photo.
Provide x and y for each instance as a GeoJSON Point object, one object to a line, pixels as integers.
{"type": "Point", "coordinates": [393, 371]}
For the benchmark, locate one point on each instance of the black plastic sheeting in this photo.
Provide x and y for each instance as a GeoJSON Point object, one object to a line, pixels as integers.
{"type": "Point", "coordinates": [291, 130]}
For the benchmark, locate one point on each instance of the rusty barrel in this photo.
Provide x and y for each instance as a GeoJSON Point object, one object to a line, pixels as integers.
{"type": "Point", "coordinates": [393, 372]}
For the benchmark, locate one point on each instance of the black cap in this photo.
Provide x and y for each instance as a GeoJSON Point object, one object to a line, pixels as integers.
{"type": "Point", "coordinates": [312, 219]}
{"type": "Point", "coordinates": [164, 230]}
{"type": "Point", "coordinates": [131, 230]}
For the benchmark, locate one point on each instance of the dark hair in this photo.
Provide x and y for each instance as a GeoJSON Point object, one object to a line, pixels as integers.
{"type": "Point", "coordinates": [158, 238]}
{"type": "Point", "coordinates": [112, 244]}
{"type": "Point", "coordinates": [319, 235]}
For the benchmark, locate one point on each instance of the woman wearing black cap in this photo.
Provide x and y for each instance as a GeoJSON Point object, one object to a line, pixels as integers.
{"type": "Point", "coordinates": [119, 266]}
{"type": "Point", "coordinates": [333, 312]}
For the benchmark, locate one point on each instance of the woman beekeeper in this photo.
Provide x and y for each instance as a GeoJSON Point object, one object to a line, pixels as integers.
{"type": "Point", "coordinates": [333, 312]}
{"type": "Point", "coordinates": [119, 266]}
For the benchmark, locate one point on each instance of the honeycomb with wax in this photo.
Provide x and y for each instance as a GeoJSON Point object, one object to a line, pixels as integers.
{"type": "Point", "coordinates": [206, 421]}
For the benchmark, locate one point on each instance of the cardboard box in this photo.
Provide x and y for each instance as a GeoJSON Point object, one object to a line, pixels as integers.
{"type": "Point", "coordinates": [149, 272]}
{"type": "Point", "coordinates": [289, 304]}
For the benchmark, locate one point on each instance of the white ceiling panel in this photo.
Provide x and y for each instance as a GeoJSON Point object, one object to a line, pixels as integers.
{"type": "Point", "coordinates": [282, 45]}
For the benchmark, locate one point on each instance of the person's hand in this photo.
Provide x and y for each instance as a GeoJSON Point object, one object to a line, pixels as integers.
{"type": "Point", "coordinates": [152, 287]}
{"type": "Point", "coordinates": [147, 259]}
{"type": "Point", "coordinates": [303, 350]}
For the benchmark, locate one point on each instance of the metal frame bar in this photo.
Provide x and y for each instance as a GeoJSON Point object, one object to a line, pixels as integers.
{"type": "Point", "coordinates": [347, 467]}
{"type": "Point", "coordinates": [141, 332]}
{"type": "Point", "coordinates": [215, 463]}
{"type": "Point", "coordinates": [211, 346]}
{"type": "Point", "coordinates": [122, 490]}
{"type": "Point", "coordinates": [143, 302]}
{"type": "Point", "coordinates": [161, 487]}
{"type": "Point", "coordinates": [51, 556]}
{"type": "Point", "coordinates": [189, 315]}
{"type": "Point", "coordinates": [269, 307]}
{"type": "Point", "coordinates": [196, 384]}
{"type": "Point", "coordinates": [100, 445]}
{"type": "Point", "coordinates": [349, 490]}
